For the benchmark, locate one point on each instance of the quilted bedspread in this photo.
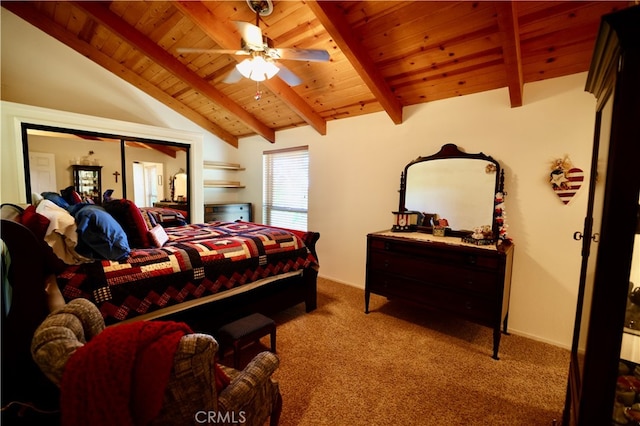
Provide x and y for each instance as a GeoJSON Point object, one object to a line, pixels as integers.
{"type": "Point", "coordinates": [198, 260]}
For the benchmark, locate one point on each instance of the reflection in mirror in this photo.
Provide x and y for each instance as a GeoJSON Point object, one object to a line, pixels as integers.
{"type": "Point", "coordinates": [455, 186]}
{"type": "Point", "coordinates": [180, 187]}
{"type": "Point", "coordinates": [632, 313]}
{"type": "Point", "coordinates": [133, 168]}
{"type": "Point", "coordinates": [149, 166]}
{"type": "Point", "coordinates": [52, 155]}
{"type": "Point", "coordinates": [457, 189]}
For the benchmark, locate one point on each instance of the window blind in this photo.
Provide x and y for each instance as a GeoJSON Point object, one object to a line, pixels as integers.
{"type": "Point", "coordinates": [286, 186]}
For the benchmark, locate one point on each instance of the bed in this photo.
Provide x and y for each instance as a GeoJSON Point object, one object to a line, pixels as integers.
{"type": "Point", "coordinates": [133, 267]}
{"type": "Point", "coordinates": [206, 274]}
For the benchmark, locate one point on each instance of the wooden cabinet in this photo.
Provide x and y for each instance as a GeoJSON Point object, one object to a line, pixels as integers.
{"type": "Point", "coordinates": [227, 212]}
{"type": "Point", "coordinates": [610, 227]}
{"type": "Point", "coordinates": [87, 181]}
{"type": "Point", "coordinates": [472, 282]}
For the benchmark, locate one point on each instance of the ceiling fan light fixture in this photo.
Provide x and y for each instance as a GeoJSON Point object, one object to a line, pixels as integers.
{"type": "Point", "coordinates": [257, 68]}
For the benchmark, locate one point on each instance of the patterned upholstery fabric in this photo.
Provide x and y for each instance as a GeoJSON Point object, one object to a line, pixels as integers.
{"type": "Point", "coordinates": [61, 333]}
{"type": "Point", "coordinates": [190, 397]}
{"type": "Point", "coordinates": [252, 382]}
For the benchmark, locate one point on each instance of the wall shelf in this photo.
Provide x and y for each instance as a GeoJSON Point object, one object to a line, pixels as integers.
{"type": "Point", "coordinates": [222, 184]}
{"type": "Point", "coordinates": [221, 165]}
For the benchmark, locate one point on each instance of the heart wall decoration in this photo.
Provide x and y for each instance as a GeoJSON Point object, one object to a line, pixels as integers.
{"type": "Point", "coordinates": [565, 179]}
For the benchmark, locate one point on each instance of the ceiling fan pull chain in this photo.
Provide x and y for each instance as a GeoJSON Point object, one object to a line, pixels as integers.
{"type": "Point", "coordinates": [258, 94]}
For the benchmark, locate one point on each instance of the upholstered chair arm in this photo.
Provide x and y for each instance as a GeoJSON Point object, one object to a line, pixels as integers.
{"type": "Point", "coordinates": [51, 347]}
{"type": "Point", "coordinates": [61, 333]}
{"type": "Point", "coordinates": [250, 381]}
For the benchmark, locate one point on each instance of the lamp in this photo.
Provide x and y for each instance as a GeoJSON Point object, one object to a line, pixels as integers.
{"type": "Point", "coordinates": [257, 68]}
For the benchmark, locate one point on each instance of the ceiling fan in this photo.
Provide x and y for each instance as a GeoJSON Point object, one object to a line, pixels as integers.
{"type": "Point", "coordinates": [263, 62]}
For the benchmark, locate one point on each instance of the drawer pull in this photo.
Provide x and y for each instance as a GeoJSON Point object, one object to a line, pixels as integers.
{"type": "Point", "coordinates": [386, 263]}
{"type": "Point", "coordinates": [471, 260]}
{"type": "Point", "coordinates": [468, 305]}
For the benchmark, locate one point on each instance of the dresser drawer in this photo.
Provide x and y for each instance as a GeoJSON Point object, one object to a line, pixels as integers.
{"type": "Point", "coordinates": [468, 256]}
{"type": "Point", "coordinates": [463, 303]}
{"type": "Point", "coordinates": [227, 212]}
{"type": "Point", "coordinates": [434, 271]}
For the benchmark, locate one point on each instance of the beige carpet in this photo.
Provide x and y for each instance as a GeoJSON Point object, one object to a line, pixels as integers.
{"type": "Point", "coordinates": [400, 365]}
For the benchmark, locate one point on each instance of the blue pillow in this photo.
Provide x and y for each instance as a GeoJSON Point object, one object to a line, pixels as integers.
{"type": "Point", "coordinates": [99, 233]}
{"type": "Point", "coordinates": [56, 199]}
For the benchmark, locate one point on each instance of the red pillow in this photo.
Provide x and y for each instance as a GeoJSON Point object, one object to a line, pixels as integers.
{"type": "Point", "coordinates": [36, 222]}
{"type": "Point", "coordinates": [127, 214]}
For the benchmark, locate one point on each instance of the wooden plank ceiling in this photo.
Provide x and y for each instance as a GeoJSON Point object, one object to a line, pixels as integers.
{"type": "Point", "coordinates": [384, 55]}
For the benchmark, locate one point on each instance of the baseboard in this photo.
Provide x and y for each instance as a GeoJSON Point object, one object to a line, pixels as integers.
{"type": "Point", "coordinates": [539, 339]}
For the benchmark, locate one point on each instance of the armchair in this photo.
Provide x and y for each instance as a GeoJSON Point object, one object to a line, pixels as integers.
{"type": "Point", "coordinates": [191, 395]}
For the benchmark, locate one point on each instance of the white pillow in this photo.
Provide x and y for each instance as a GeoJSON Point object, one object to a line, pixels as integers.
{"type": "Point", "coordinates": [158, 236]}
{"type": "Point", "coordinates": [61, 234]}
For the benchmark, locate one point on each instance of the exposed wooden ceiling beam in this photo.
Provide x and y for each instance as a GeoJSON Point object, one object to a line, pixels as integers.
{"type": "Point", "coordinates": [166, 150]}
{"type": "Point", "coordinates": [331, 17]}
{"type": "Point", "coordinates": [26, 11]}
{"type": "Point", "coordinates": [222, 33]}
{"type": "Point", "coordinates": [508, 24]}
{"type": "Point", "coordinates": [110, 20]}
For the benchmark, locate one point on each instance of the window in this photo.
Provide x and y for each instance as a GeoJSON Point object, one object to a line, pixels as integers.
{"type": "Point", "coordinates": [286, 186]}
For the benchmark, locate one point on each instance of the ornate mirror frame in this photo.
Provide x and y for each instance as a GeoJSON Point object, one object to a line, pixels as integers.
{"type": "Point", "coordinates": [455, 185]}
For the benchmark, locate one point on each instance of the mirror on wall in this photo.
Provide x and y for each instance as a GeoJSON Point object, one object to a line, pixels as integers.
{"type": "Point", "coordinates": [452, 185]}
{"type": "Point", "coordinates": [127, 167]}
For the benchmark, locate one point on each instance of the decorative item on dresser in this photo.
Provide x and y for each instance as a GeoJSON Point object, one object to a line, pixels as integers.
{"type": "Point", "coordinates": [603, 384]}
{"type": "Point", "coordinates": [227, 212]}
{"type": "Point", "coordinates": [464, 272]}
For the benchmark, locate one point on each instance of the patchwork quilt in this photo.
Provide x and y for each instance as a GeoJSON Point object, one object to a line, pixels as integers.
{"type": "Point", "coordinates": [197, 260]}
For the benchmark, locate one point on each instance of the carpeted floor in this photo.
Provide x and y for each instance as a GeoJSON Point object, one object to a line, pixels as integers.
{"type": "Point", "coordinates": [400, 365]}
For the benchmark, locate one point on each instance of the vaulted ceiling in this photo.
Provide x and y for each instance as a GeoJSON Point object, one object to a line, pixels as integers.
{"type": "Point", "coordinates": [384, 55]}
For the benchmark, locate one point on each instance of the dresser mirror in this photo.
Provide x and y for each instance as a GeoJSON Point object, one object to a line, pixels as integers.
{"type": "Point", "coordinates": [455, 186]}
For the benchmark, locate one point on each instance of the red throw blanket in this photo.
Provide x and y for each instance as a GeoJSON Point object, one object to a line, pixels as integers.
{"type": "Point", "coordinates": [119, 377]}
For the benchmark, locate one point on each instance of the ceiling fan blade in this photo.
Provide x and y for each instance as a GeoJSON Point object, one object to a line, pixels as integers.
{"type": "Point", "coordinates": [287, 75]}
{"type": "Point", "coordinates": [251, 34]}
{"type": "Point", "coordinates": [220, 51]}
{"type": "Point", "coordinates": [312, 55]}
{"type": "Point", "coordinates": [234, 76]}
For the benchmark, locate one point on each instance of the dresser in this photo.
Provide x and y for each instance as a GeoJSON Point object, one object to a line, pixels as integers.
{"type": "Point", "coordinates": [227, 212]}
{"type": "Point", "coordinates": [442, 273]}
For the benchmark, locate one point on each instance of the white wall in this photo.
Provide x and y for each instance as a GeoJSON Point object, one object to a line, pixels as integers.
{"type": "Point", "coordinates": [355, 168]}
{"type": "Point", "coordinates": [38, 70]}
{"type": "Point", "coordinates": [355, 172]}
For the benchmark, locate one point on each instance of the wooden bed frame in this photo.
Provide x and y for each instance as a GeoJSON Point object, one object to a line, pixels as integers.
{"type": "Point", "coordinates": [31, 303]}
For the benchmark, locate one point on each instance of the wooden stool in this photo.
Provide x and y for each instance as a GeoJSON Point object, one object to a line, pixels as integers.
{"type": "Point", "coordinates": [245, 330]}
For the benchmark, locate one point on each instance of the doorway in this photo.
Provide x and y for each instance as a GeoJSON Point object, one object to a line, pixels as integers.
{"type": "Point", "coordinates": [148, 185]}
